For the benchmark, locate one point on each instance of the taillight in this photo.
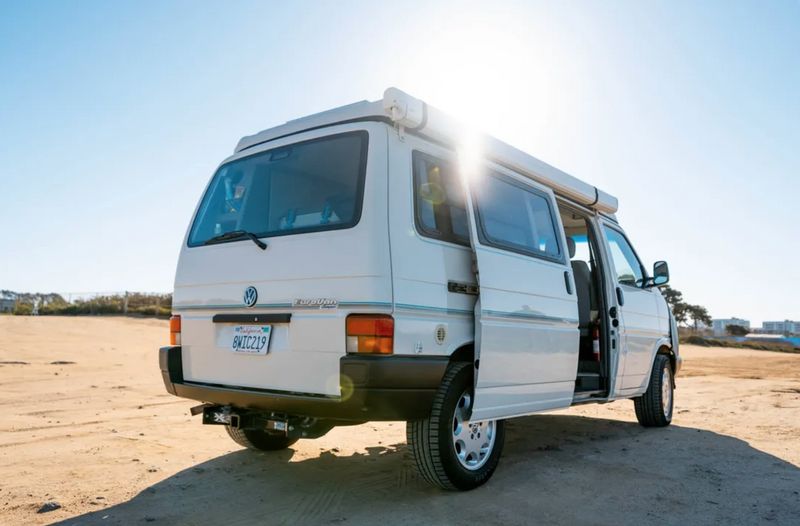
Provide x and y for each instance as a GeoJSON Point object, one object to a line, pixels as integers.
{"type": "Point", "coordinates": [175, 329]}
{"type": "Point", "coordinates": [370, 334]}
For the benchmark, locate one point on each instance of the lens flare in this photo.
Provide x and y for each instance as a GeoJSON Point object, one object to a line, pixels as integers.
{"type": "Point", "coordinates": [470, 155]}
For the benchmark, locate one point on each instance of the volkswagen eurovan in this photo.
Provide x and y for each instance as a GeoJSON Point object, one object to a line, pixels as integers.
{"type": "Point", "coordinates": [370, 263]}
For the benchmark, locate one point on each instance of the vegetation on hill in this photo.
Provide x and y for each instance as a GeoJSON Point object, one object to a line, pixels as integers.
{"type": "Point", "coordinates": [143, 304]}
{"type": "Point", "coordinates": [737, 330]}
{"type": "Point", "coordinates": [683, 311]}
{"type": "Point", "coordinates": [758, 345]}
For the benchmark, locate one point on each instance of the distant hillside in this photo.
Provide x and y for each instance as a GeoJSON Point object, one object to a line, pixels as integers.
{"type": "Point", "coordinates": [146, 304]}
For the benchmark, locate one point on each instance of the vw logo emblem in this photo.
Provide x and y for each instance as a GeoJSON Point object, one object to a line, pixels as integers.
{"type": "Point", "coordinates": [250, 296]}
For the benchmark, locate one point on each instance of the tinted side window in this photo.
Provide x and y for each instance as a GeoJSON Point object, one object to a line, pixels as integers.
{"type": "Point", "coordinates": [439, 201]}
{"type": "Point", "coordinates": [516, 217]}
{"type": "Point", "coordinates": [627, 265]}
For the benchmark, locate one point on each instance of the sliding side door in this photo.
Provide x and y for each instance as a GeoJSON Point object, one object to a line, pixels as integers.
{"type": "Point", "coordinates": [526, 318]}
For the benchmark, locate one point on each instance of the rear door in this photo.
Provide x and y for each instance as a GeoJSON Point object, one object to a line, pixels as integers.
{"type": "Point", "coordinates": [318, 201]}
{"type": "Point", "coordinates": [526, 318]}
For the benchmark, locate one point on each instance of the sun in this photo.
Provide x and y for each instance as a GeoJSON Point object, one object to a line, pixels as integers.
{"type": "Point", "coordinates": [495, 73]}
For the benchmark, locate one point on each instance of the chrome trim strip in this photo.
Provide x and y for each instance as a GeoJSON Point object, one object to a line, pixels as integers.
{"type": "Point", "coordinates": [529, 315]}
{"type": "Point", "coordinates": [440, 310]}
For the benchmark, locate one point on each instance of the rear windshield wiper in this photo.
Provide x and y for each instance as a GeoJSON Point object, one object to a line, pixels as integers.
{"type": "Point", "coordinates": [236, 234]}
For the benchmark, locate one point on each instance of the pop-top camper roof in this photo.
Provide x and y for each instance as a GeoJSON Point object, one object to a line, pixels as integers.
{"type": "Point", "coordinates": [417, 117]}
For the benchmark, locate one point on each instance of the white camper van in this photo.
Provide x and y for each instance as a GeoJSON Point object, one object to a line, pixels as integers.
{"type": "Point", "coordinates": [373, 263]}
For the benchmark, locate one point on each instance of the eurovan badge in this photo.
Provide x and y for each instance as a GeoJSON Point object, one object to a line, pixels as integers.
{"type": "Point", "coordinates": [250, 296]}
{"type": "Point", "coordinates": [315, 303]}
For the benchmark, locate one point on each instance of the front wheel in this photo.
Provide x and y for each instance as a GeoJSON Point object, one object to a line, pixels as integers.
{"type": "Point", "coordinates": [450, 450]}
{"type": "Point", "coordinates": [654, 407]}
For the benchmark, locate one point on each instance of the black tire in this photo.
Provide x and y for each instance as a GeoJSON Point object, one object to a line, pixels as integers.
{"type": "Point", "coordinates": [259, 440]}
{"type": "Point", "coordinates": [431, 439]}
{"type": "Point", "coordinates": [650, 407]}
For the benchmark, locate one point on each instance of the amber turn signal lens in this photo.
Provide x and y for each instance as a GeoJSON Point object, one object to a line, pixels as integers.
{"type": "Point", "coordinates": [370, 334]}
{"type": "Point", "coordinates": [175, 329]}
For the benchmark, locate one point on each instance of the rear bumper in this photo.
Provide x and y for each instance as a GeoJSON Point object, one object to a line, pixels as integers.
{"type": "Point", "coordinates": [372, 387]}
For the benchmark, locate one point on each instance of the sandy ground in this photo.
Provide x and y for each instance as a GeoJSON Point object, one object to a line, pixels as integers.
{"type": "Point", "coordinates": [98, 434]}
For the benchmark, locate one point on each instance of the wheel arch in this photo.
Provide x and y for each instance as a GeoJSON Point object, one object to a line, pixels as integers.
{"type": "Point", "coordinates": [464, 353]}
{"type": "Point", "coordinates": [665, 348]}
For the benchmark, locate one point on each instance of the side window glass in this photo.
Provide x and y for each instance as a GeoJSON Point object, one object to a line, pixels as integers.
{"type": "Point", "coordinates": [516, 218]}
{"type": "Point", "coordinates": [627, 265]}
{"type": "Point", "coordinates": [439, 201]}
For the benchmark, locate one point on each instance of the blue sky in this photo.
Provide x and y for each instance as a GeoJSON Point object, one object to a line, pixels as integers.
{"type": "Point", "coordinates": [113, 116]}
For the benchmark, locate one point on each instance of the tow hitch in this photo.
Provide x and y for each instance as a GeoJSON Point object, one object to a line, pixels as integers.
{"type": "Point", "coordinates": [216, 415]}
{"type": "Point", "coordinates": [273, 423]}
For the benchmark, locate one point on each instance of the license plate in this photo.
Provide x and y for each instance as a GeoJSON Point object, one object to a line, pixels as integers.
{"type": "Point", "coordinates": [249, 339]}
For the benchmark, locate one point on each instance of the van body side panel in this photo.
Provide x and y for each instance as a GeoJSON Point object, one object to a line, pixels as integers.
{"type": "Point", "coordinates": [422, 267]}
{"type": "Point", "coordinates": [350, 266]}
{"type": "Point", "coordinates": [660, 337]}
{"type": "Point", "coordinates": [640, 327]}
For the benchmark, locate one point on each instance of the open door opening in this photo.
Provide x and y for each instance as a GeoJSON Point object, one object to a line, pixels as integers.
{"type": "Point", "coordinates": [591, 377]}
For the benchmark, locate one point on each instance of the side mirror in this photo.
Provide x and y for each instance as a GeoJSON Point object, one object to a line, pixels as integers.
{"type": "Point", "coordinates": [660, 274]}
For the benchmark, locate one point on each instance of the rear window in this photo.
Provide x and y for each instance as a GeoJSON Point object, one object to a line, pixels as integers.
{"type": "Point", "coordinates": [304, 187]}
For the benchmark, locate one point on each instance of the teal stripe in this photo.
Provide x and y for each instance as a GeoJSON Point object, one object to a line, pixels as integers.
{"type": "Point", "coordinates": [239, 306]}
{"type": "Point", "coordinates": [283, 305]}
{"type": "Point", "coordinates": [434, 309]}
{"type": "Point", "coordinates": [403, 306]}
{"type": "Point", "coordinates": [364, 304]}
{"type": "Point", "coordinates": [347, 304]}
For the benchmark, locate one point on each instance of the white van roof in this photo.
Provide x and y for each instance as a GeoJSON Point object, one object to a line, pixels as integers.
{"type": "Point", "coordinates": [417, 117]}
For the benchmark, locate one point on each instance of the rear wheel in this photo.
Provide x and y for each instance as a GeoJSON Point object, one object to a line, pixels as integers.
{"type": "Point", "coordinates": [654, 407]}
{"type": "Point", "coordinates": [259, 440]}
{"type": "Point", "coordinates": [450, 450]}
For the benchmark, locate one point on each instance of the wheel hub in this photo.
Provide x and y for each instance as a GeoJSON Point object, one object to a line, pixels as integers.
{"type": "Point", "coordinates": [473, 441]}
{"type": "Point", "coordinates": [666, 392]}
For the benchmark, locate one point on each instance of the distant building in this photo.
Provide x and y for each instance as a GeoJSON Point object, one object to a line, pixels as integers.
{"type": "Point", "coordinates": [781, 327]}
{"type": "Point", "coordinates": [720, 326]}
{"type": "Point", "coordinates": [7, 301]}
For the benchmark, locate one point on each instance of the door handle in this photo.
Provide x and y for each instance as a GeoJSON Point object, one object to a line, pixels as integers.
{"type": "Point", "coordinates": [620, 297]}
{"type": "Point", "coordinates": [567, 282]}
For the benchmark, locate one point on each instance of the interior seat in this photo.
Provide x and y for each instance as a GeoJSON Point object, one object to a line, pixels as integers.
{"type": "Point", "coordinates": [583, 288]}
